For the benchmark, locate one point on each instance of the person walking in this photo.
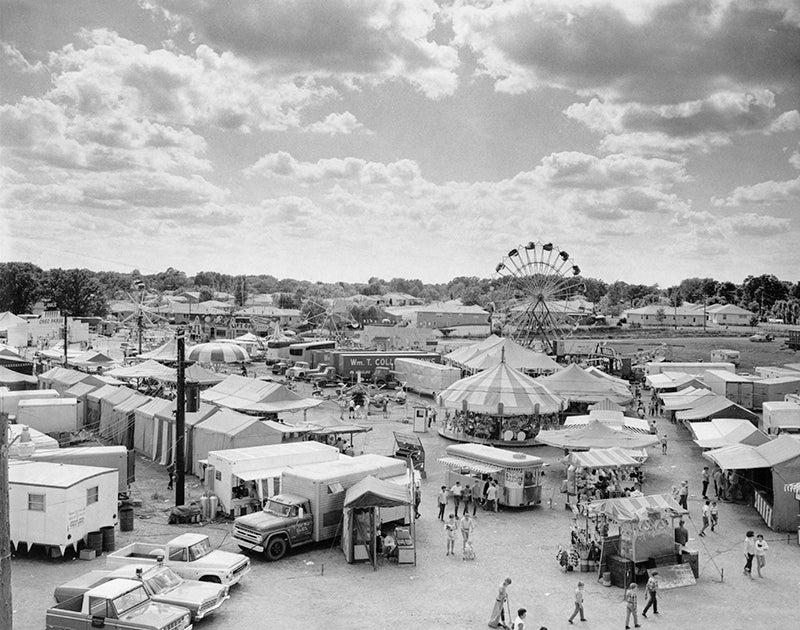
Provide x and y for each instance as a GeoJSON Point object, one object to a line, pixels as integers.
{"type": "Point", "coordinates": [467, 527]}
{"type": "Point", "coordinates": [714, 514]}
{"type": "Point", "coordinates": [664, 444]}
{"type": "Point", "coordinates": [681, 536]}
{"type": "Point", "coordinates": [651, 592]}
{"type": "Point", "coordinates": [477, 496]}
{"type": "Point", "coordinates": [578, 603]}
{"type": "Point", "coordinates": [498, 617]}
{"type": "Point", "coordinates": [705, 477]}
{"type": "Point", "coordinates": [441, 500]}
{"type": "Point", "coordinates": [717, 477]}
{"type": "Point", "coordinates": [450, 528]}
{"type": "Point", "coordinates": [683, 495]}
{"type": "Point", "coordinates": [456, 491]}
{"type": "Point", "coordinates": [749, 552]}
{"type": "Point", "coordinates": [417, 500]}
{"type": "Point", "coordinates": [630, 606]}
{"type": "Point", "coordinates": [706, 517]}
{"type": "Point", "coordinates": [466, 498]}
{"type": "Point", "coordinates": [491, 497]}
{"type": "Point", "coordinates": [519, 621]}
{"type": "Point", "coordinates": [761, 553]}
{"type": "Point", "coordinates": [171, 473]}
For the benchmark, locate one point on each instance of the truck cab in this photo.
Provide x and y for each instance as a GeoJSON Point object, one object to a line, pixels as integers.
{"type": "Point", "coordinates": [326, 377]}
{"type": "Point", "coordinates": [299, 370]}
{"type": "Point", "coordinates": [285, 522]}
{"type": "Point", "coordinates": [384, 377]}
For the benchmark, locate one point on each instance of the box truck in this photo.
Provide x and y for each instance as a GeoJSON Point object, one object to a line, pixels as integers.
{"type": "Point", "coordinates": [425, 377]}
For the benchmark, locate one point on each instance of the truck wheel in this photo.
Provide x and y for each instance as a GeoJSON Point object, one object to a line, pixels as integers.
{"type": "Point", "coordinates": [211, 578]}
{"type": "Point", "coordinates": [380, 383]}
{"type": "Point", "coordinates": [276, 549]}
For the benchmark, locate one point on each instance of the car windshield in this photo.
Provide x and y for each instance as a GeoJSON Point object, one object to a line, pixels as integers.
{"type": "Point", "coordinates": [163, 581]}
{"type": "Point", "coordinates": [131, 599]}
{"type": "Point", "coordinates": [198, 550]}
{"type": "Point", "coordinates": [279, 509]}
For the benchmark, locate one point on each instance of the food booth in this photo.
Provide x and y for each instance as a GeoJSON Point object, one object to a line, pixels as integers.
{"type": "Point", "coordinates": [518, 476]}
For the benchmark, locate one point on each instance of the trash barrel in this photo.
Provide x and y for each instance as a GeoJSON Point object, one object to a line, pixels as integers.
{"type": "Point", "coordinates": [94, 541]}
{"type": "Point", "coordinates": [108, 538]}
{"type": "Point", "coordinates": [126, 519]}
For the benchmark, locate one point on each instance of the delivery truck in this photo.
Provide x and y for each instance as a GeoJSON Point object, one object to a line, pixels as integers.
{"type": "Point", "coordinates": [310, 505]}
{"type": "Point", "coordinates": [735, 387]}
{"type": "Point", "coordinates": [351, 365]}
{"type": "Point", "coordinates": [425, 377]}
{"type": "Point", "coordinates": [780, 417]}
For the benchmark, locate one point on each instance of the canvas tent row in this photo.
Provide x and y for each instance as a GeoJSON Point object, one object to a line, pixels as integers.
{"type": "Point", "coordinates": [685, 399]}
{"type": "Point", "coordinates": [165, 437]}
{"type": "Point", "coordinates": [61, 379]}
{"type": "Point", "coordinates": [144, 426]}
{"type": "Point", "coordinates": [250, 394]}
{"type": "Point", "coordinates": [93, 404]}
{"type": "Point", "coordinates": [485, 391]}
{"type": "Point", "coordinates": [79, 392]}
{"type": "Point", "coordinates": [717, 407]}
{"type": "Point", "coordinates": [770, 466]}
{"type": "Point", "coordinates": [579, 386]}
{"type": "Point", "coordinates": [146, 369]}
{"type": "Point", "coordinates": [122, 422]}
{"type": "Point", "coordinates": [14, 380]}
{"type": "Point", "coordinates": [726, 432]}
{"type": "Point", "coordinates": [107, 427]}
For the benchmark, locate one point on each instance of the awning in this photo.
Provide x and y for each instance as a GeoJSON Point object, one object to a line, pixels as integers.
{"type": "Point", "coordinates": [253, 475]}
{"type": "Point", "coordinates": [603, 458]}
{"type": "Point", "coordinates": [478, 467]}
{"type": "Point", "coordinates": [635, 508]}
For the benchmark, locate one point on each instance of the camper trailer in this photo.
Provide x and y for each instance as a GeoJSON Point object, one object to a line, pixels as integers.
{"type": "Point", "coordinates": [57, 505]}
{"type": "Point", "coordinates": [117, 457]}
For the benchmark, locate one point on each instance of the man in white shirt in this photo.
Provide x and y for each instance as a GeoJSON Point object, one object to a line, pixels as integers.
{"type": "Point", "coordinates": [491, 497]}
{"type": "Point", "coordinates": [456, 492]}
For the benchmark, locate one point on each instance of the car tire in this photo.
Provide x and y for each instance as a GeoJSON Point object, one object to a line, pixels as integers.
{"type": "Point", "coordinates": [211, 578]}
{"type": "Point", "coordinates": [276, 548]}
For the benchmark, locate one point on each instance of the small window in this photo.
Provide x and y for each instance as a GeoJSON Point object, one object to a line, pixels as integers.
{"type": "Point", "coordinates": [92, 495]}
{"type": "Point", "coordinates": [334, 488]}
{"type": "Point", "coordinates": [36, 502]}
{"type": "Point", "coordinates": [218, 475]}
{"type": "Point", "coordinates": [178, 554]}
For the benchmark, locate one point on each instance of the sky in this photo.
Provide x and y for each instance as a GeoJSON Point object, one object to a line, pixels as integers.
{"type": "Point", "coordinates": [653, 140]}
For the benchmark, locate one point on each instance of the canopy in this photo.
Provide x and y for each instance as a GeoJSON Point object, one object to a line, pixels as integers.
{"type": "Point", "coordinates": [595, 435]}
{"type": "Point", "coordinates": [606, 405]}
{"type": "Point", "coordinates": [596, 371]}
{"type": "Point", "coordinates": [340, 428]}
{"type": "Point", "coordinates": [603, 458]}
{"type": "Point", "coordinates": [92, 359]}
{"type": "Point", "coordinates": [168, 352]}
{"type": "Point", "coordinates": [483, 392]}
{"type": "Point", "coordinates": [195, 374]}
{"type": "Point", "coordinates": [461, 355]}
{"type": "Point", "coordinates": [515, 355]}
{"type": "Point", "coordinates": [635, 508]}
{"type": "Point", "coordinates": [217, 353]}
{"type": "Point", "coordinates": [250, 394]}
{"type": "Point", "coordinates": [372, 492]}
{"type": "Point", "coordinates": [685, 399]}
{"type": "Point", "coordinates": [613, 419]}
{"type": "Point", "coordinates": [726, 432]}
{"type": "Point", "coordinates": [147, 369]}
{"type": "Point", "coordinates": [717, 407]}
{"type": "Point", "coordinates": [577, 385]}
{"type": "Point", "coordinates": [477, 467]}
{"type": "Point", "coordinates": [10, 377]}
{"type": "Point", "coordinates": [744, 457]}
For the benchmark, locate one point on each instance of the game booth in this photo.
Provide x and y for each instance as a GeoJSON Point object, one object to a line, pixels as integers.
{"type": "Point", "coordinates": [644, 540]}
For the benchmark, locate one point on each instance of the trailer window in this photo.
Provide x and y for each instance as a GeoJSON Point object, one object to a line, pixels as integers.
{"type": "Point", "coordinates": [92, 495]}
{"type": "Point", "coordinates": [36, 502]}
{"type": "Point", "coordinates": [335, 488]}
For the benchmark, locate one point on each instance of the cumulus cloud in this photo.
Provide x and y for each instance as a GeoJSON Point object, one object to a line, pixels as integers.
{"type": "Point", "coordinates": [15, 60]}
{"type": "Point", "coordinates": [752, 224]}
{"type": "Point", "coordinates": [762, 193]}
{"type": "Point", "coordinates": [336, 124]}
{"type": "Point", "coordinates": [365, 42]}
{"type": "Point", "coordinates": [646, 53]}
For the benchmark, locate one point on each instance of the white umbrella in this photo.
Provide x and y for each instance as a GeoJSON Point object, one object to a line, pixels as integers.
{"type": "Point", "coordinates": [217, 353]}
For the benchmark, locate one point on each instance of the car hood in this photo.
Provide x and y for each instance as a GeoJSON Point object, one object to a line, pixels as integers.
{"type": "Point", "coordinates": [154, 614]}
{"type": "Point", "coordinates": [223, 559]}
{"type": "Point", "coordinates": [261, 520]}
{"type": "Point", "coordinates": [192, 595]}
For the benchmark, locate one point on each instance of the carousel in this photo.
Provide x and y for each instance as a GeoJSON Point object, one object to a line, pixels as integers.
{"type": "Point", "coordinates": [499, 406]}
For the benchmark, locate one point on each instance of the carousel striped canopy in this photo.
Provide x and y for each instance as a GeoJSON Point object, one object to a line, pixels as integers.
{"type": "Point", "coordinates": [217, 353]}
{"type": "Point", "coordinates": [518, 393]}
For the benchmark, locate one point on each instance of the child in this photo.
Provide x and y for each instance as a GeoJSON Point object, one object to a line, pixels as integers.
{"type": "Point", "coordinates": [469, 551]}
{"type": "Point", "coordinates": [450, 529]}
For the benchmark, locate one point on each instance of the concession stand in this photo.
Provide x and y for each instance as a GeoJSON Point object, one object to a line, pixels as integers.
{"type": "Point", "coordinates": [518, 476]}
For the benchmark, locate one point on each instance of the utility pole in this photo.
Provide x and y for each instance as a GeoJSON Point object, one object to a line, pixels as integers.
{"type": "Point", "coordinates": [180, 423]}
{"type": "Point", "coordinates": [6, 610]}
{"type": "Point", "coordinates": [66, 340]}
{"type": "Point", "coordinates": [139, 324]}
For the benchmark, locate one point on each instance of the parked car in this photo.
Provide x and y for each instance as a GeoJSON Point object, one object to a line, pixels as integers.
{"type": "Point", "coordinates": [280, 367]}
{"type": "Point", "coordinates": [762, 337]}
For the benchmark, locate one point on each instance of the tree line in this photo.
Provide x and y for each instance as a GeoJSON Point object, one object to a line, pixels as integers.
{"type": "Point", "coordinates": [83, 292]}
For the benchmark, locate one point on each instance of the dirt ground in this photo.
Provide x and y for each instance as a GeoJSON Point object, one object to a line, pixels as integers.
{"type": "Point", "coordinates": [316, 588]}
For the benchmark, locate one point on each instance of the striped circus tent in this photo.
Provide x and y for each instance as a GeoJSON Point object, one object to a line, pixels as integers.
{"type": "Point", "coordinates": [217, 353]}
{"type": "Point", "coordinates": [486, 391]}
{"type": "Point", "coordinates": [577, 385]}
{"type": "Point", "coordinates": [606, 405]}
{"type": "Point", "coordinates": [603, 458]}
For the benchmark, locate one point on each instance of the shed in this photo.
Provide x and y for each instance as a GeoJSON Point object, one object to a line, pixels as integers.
{"type": "Point", "coordinates": [228, 429]}
{"type": "Point", "coordinates": [56, 505]}
{"type": "Point", "coordinates": [144, 426]}
{"type": "Point", "coordinates": [121, 425]}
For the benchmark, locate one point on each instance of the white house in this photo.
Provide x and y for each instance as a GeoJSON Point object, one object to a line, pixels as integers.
{"type": "Point", "coordinates": [729, 315]}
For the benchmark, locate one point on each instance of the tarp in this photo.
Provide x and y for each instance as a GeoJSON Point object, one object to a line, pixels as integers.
{"type": "Point", "coordinates": [606, 405]}
{"type": "Point", "coordinates": [635, 508]}
{"type": "Point", "coordinates": [595, 435]}
{"type": "Point", "coordinates": [717, 407]}
{"type": "Point", "coordinates": [603, 458]}
{"type": "Point", "coordinates": [144, 426]}
{"type": "Point", "coordinates": [122, 420]}
{"type": "Point", "coordinates": [483, 392]}
{"type": "Point", "coordinates": [108, 428]}
{"type": "Point", "coordinates": [92, 359]}
{"type": "Point", "coordinates": [372, 492]}
{"type": "Point", "coordinates": [726, 432]}
{"type": "Point", "coordinates": [146, 369]}
{"type": "Point", "coordinates": [250, 394]}
{"type": "Point", "coordinates": [577, 385]}
{"type": "Point", "coordinates": [229, 429]}
{"type": "Point", "coordinates": [743, 457]}
{"type": "Point", "coordinates": [195, 374]}
{"type": "Point", "coordinates": [514, 355]}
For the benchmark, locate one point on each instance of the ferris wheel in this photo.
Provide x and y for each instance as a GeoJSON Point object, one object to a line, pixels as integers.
{"type": "Point", "coordinates": [540, 292]}
{"type": "Point", "coordinates": [329, 321]}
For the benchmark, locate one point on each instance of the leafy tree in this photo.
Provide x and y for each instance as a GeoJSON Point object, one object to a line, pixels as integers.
{"type": "Point", "coordinates": [75, 291]}
{"type": "Point", "coordinates": [169, 280]}
{"type": "Point", "coordinates": [594, 289]}
{"type": "Point", "coordinates": [661, 315]}
{"type": "Point", "coordinates": [727, 292]}
{"type": "Point", "coordinates": [696, 290]}
{"type": "Point", "coordinates": [761, 292]}
{"type": "Point", "coordinates": [20, 286]}
{"type": "Point", "coordinates": [240, 291]}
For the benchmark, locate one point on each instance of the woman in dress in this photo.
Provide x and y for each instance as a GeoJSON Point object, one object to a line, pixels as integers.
{"type": "Point", "coordinates": [761, 553]}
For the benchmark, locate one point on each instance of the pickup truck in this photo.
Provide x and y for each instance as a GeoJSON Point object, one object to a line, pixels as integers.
{"type": "Point", "coordinates": [324, 378]}
{"type": "Point", "coordinates": [298, 370]}
{"type": "Point", "coordinates": [117, 605]}
{"type": "Point", "coordinates": [286, 522]}
{"type": "Point", "coordinates": [189, 555]}
{"type": "Point", "coordinates": [161, 584]}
